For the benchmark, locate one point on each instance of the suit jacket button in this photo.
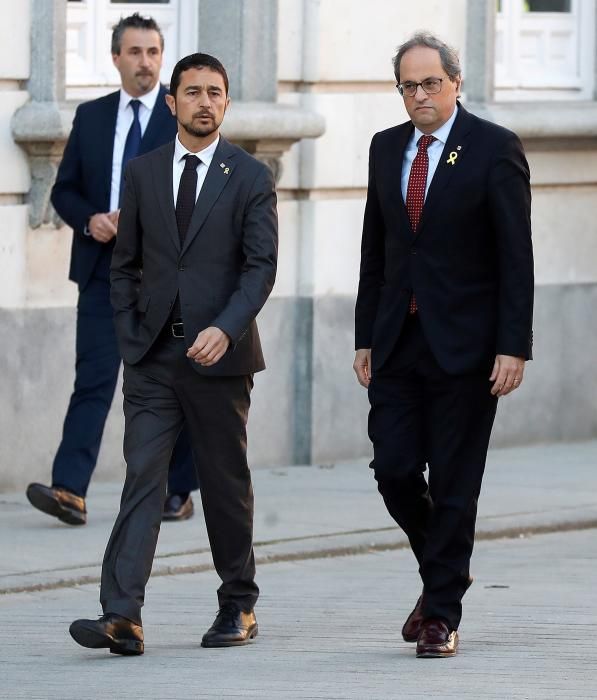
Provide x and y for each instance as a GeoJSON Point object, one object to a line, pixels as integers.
{"type": "Point", "coordinates": [181, 268]}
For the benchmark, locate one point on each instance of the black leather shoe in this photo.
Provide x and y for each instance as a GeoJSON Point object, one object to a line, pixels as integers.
{"type": "Point", "coordinates": [412, 626]}
{"type": "Point", "coordinates": [110, 631]}
{"type": "Point", "coordinates": [62, 504]}
{"type": "Point", "coordinates": [436, 640]}
{"type": "Point", "coordinates": [231, 628]}
{"type": "Point", "coordinates": [178, 507]}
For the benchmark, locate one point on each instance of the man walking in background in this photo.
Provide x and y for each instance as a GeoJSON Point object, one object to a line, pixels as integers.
{"type": "Point", "coordinates": [443, 319]}
{"type": "Point", "coordinates": [195, 260]}
{"type": "Point", "coordinates": [106, 133]}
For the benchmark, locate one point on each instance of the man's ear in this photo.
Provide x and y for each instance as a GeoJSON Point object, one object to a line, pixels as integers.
{"type": "Point", "coordinates": [171, 102]}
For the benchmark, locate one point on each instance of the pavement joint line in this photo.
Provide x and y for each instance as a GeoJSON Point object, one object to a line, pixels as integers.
{"type": "Point", "coordinates": [332, 552]}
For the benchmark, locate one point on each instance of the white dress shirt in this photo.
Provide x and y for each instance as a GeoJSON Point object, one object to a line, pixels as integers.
{"type": "Point", "coordinates": [124, 120]}
{"type": "Point", "coordinates": [178, 164]}
{"type": "Point", "coordinates": [434, 152]}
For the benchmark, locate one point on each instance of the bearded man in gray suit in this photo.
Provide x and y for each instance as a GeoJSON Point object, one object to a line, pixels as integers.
{"type": "Point", "coordinates": [194, 262]}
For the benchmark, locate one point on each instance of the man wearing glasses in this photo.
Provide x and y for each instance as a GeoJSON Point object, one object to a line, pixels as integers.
{"type": "Point", "coordinates": [443, 319]}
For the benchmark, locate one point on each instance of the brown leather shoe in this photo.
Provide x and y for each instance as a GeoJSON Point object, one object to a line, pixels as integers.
{"type": "Point", "coordinates": [436, 640]}
{"type": "Point", "coordinates": [110, 631]}
{"type": "Point", "coordinates": [62, 504]}
{"type": "Point", "coordinates": [412, 626]}
{"type": "Point", "coordinates": [177, 507]}
{"type": "Point", "coordinates": [232, 628]}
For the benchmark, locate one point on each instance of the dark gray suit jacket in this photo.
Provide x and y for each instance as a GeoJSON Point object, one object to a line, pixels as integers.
{"type": "Point", "coordinates": [224, 272]}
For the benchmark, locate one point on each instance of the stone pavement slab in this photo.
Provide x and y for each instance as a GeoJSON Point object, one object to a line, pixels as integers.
{"type": "Point", "coordinates": [329, 629]}
{"type": "Point", "coordinates": [303, 512]}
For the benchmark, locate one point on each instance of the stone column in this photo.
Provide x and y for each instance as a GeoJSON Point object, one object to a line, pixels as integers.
{"type": "Point", "coordinates": [39, 125]}
{"type": "Point", "coordinates": [243, 34]}
{"type": "Point", "coordinates": [480, 53]}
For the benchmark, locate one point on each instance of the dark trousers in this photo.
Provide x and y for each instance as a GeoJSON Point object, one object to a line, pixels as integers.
{"type": "Point", "coordinates": [420, 415]}
{"type": "Point", "coordinates": [161, 392]}
{"type": "Point", "coordinates": [96, 373]}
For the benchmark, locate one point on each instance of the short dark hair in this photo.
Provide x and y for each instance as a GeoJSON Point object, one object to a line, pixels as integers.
{"type": "Point", "coordinates": [133, 22]}
{"type": "Point", "coordinates": [196, 60]}
{"type": "Point", "coordinates": [448, 56]}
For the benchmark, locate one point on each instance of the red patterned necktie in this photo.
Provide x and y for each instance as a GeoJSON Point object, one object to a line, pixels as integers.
{"type": "Point", "coordinates": [415, 193]}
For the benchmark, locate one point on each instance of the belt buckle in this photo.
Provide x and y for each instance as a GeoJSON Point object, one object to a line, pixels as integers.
{"type": "Point", "coordinates": [177, 329]}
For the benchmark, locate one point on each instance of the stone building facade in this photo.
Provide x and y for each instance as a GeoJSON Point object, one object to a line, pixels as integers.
{"type": "Point", "coordinates": [311, 81]}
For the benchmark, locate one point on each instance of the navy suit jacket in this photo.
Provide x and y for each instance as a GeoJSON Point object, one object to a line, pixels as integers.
{"type": "Point", "coordinates": [82, 186]}
{"type": "Point", "coordinates": [470, 263]}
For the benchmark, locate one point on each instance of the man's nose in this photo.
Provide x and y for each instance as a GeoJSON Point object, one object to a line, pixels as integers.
{"type": "Point", "coordinates": [420, 94]}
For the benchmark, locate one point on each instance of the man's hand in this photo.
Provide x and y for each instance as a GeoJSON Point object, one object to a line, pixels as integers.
{"type": "Point", "coordinates": [102, 227]}
{"type": "Point", "coordinates": [209, 347]}
{"type": "Point", "coordinates": [507, 374]}
{"type": "Point", "coordinates": [362, 366]}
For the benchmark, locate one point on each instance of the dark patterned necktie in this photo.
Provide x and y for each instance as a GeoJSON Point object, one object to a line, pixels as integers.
{"type": "Point", "coordinates": [185, 201]}
{"type": "Point", "coordinates": [415, 193]}
{"type": "Point", "coordinates": [132, 143]}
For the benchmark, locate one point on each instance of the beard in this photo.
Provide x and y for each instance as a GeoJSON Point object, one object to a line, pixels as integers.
{"type": "Point", "coordinates": [200, 131]}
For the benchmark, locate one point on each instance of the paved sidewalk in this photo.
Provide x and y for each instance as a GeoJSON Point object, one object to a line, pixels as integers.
{"type": "Point", "coordinates": [337, 582]}
{"type": "Point", "coordinates": [303, 512]}
{"type": "Point", "coordinates": [329, 628]}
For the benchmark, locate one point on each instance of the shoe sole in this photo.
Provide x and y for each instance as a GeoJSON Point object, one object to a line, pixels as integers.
{"type": "Point", "coordinates": [219, 645]}
{"type": "Point", "coordinates": [50, 506]}
{"type": "Point", "coordinates": [92, 639]}
{"type": "Point", "coordinates": [438, 654]}
{"type": "Point", "coordinates": [435, 655]}
{"type": "Point", "coordinates": [177, 518]}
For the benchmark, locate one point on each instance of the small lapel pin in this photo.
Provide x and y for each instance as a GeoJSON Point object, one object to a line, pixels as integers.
{"type": "Point", "coordinates": [452, 158]}
{"type": "Point", "coordinates": [226, 170]}
{"type": "Point", "coordinates": [222, 165]}
{"type": "Point", "coordinates": [458, 148]}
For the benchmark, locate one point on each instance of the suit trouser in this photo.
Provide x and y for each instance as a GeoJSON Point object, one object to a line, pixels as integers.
{"type": "Point", "coordinates": [96, 374]}
{"type": "Point", "coordinates": [420, 414]}
{"type": "Point", "coordinates": [160, 392]}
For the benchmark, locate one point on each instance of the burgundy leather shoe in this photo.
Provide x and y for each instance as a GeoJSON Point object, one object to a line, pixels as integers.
{"type": "Point", "coordinates": [62, 504]}
{"type": "Point", "coordinates": [178, 507]}
{"type": "Point", "coordinates": [436, 640]}
{"type": "Point", "coordinates": [412, 626]}
{"type": "Point", "coordinates": [110, 631]}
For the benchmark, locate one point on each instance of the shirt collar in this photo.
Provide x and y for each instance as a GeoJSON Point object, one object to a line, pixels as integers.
{"type": "Point", "coordinates": [148, 100]}
{"type": "Point", "coordinates": [443, 132]}
{"type": "Point", "coordinates": [205, 155]}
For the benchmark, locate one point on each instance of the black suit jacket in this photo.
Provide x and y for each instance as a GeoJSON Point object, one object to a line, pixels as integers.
{"type": "Point", "coordinates": [82, 186]}
{"type": "Point", "coordinates": [223, 273]}
{"type": "Point", "coordinates": [470, 263]}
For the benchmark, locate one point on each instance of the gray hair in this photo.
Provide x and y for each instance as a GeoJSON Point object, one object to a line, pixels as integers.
{"type": "Point", "coordinates": [448, 56]}
{"type": "Point", "coordinates": [135, 21]}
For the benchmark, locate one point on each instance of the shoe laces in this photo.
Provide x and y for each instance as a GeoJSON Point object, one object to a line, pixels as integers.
{"type": "Point", "coordinates": [228, 613]}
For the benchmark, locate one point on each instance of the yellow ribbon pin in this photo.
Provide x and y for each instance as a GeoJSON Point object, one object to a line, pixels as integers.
{"type": "Point", "coordinates": [226, 171]}
{"type": "Point", "coordinates": [452, 159]}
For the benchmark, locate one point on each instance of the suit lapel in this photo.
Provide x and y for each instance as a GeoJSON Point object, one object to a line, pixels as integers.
{"type": "Point", "coordinates": [105, 135]}
{"type": "Point", "coordinates": [161, 122]}
{"type": "Point", "coordinates": [162, 178]}
{"type": "Point", "coordinates": [450, 161]}
{"type": "Point", "coordinates": [219, 173]}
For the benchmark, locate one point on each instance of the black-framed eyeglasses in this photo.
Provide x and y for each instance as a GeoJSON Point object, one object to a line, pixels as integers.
{"type": "Point", "coordinates": [431, 86]}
